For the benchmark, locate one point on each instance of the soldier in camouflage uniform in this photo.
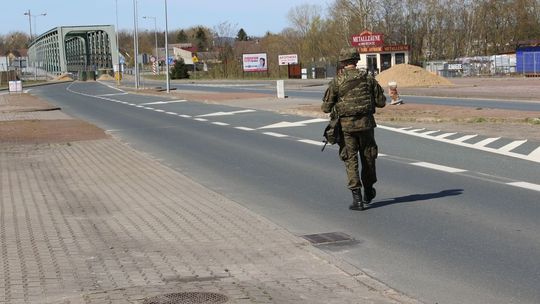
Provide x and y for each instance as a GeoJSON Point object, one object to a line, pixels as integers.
{"type": "Point", "coordinates": [353, 95]}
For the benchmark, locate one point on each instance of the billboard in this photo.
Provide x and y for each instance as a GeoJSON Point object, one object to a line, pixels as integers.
{"type": "Point", "coordinates": [254, 62]}
{"type": "Point", "coordinates": [288, 59]}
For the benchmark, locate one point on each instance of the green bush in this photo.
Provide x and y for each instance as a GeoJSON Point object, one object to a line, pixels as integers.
{"type": "Point", "coordinates": [179, 70]}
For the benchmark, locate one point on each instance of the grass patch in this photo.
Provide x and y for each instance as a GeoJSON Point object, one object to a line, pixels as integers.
{"type": "Point", "coordinates": [533, 120]}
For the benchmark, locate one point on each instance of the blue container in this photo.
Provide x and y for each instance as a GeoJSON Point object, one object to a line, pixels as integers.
{"type": "Point", "coordinates": [528, 60]}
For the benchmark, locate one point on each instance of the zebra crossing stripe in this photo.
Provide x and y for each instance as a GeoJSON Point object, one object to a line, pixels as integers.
{"type": "Point", "coordinates": [511, 146]}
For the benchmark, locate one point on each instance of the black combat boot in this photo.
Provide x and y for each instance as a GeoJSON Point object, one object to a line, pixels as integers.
{"type": "Point", "coordinates": [369, 194]}
{"type": "Point", "coordinates": [357, 203]}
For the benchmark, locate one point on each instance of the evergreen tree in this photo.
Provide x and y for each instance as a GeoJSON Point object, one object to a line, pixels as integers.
{"type": "Point", "coordinates": [179, 70]}
{"type": "Point", "coordinates": [201, 39]}
{"type": "Point", "coordinates": [181, 37]}
{"type": "Point", "coordinates": [242, 36]}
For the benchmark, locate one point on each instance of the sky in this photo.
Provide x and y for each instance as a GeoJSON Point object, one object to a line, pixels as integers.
{"type": "Point", "coordinates": [256, 17]}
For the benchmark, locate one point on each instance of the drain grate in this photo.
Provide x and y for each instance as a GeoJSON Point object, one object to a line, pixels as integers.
{"type": "Point", "coordinates": [188, 298]}
{"type": "Point", "coordinates": [326, 238]}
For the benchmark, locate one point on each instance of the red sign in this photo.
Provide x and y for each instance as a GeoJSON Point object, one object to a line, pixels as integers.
{"type": "Point", "coordinates": [386, 48]}
{"type": "Point", "coordinates": [367, 39]}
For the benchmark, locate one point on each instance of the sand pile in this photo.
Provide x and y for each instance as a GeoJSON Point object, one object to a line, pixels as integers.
{"type": "Point", "coordinates": [64, 77]}
{"type": "Point", "coordinates": [411, 76]}
{"type": "Point", "coordinates": [105, 77]}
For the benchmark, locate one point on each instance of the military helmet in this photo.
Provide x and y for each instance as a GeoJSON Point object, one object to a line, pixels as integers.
{"type": "Point", "coordinates": [349, 53]}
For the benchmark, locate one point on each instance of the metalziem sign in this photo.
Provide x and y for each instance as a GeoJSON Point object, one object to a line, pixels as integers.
{"type": "Point", "coordinates": [366, 39]}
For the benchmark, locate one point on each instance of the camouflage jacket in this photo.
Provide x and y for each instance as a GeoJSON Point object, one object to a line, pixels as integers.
{"type": "Point", "coordinates": [354, 95]}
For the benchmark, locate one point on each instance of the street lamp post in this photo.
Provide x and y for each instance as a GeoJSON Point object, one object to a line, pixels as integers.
{"type": "Point", "coordinates": [155, 37]}
{"type": "Point", "coordinates": [27, 13]}
{"type": "Point", "coordinates": [167, 51]}
{"type": "Point", "coordinates": [35, 22]}
{"type": "Point", "coordinates": [136, 45]}
{"type": "Point", "coordinates": [117, 74]}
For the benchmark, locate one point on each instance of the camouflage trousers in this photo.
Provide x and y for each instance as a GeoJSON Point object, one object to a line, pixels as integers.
{"type": "Point", "coordinates": [361, 144]}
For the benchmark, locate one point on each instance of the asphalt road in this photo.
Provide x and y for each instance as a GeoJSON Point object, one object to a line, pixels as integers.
{"type": "Point", "coordinates": [448, 224]}
{"type": "Point", "coordinates": [316, 90]}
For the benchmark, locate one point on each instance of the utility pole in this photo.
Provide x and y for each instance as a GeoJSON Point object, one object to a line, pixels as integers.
{"type": "Point", "coordinates": [118, 73]}
{"type": "Point", "coordinates": [27, 13]}
{"type": "Point", "coordinates": [136, 45]}
{"type": "Point", "coordinates": [167, 51]}
{"type": "Point", "coordinates": [155, 37]}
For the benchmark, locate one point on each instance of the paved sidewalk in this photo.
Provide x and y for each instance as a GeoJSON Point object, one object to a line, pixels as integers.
{"type": "Point", "coordinates": [96, 222]}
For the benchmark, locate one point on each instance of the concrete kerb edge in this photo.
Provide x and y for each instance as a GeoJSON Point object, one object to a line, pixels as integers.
{"type": "Point", "coordinates": [363, 277]}
{"type": "Point", "coordinates": [40, 84]}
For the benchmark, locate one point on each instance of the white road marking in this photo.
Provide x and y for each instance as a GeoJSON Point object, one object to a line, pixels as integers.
{"type": "Point", "coordinates": [445, 135]}
{"type": "Point", "coordinates": [430, 132]}
{"type": "Point", "coordinates": [511, 146]}
{"type": "Point", "coordinates": [244, 128]}
{"type": "Point", "coordinates": [382, 154]}
{"type": "Point", "coordinates": [486, 141]}
{"type": "Point", "coordinates": [438, 167]}
{"type": "Point", "coordinates": [533, 156]}
{"type": "Point", "coordinates": [159, 110]}
{"type": "Point", "coordinates": [171, 113]}
{"type": "Point", "coordinates": [113, 94]}
{"type": "Point", "coordinates": [109, 86]}
{"type": "Point", "coordinates": [226, 113]}
{"type": "Point", "coordinates": [466, 137]}
{"type": "Point", "coordinates": [416, 130]}
{"type": "Point", "coordinates": [184, 115]}
{"type": "Point", "coordinates": [220, 123]}
{"type": "Point", "coordinates": [163, 102]}
{"type": "Point", "coordinates": [525, 185]}
{"type": "Point", "coordinates": [275, 134]}
{"type": "Point", "coordinates": [286, 124]}
{"type": "Point", "coordinates": [311, 142]}
{"type": "Point", "coordinates": [148, 108]}
{"type": "Point", "coordinates": [200, 119]}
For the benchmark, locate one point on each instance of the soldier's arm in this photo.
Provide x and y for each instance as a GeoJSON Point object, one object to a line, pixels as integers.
{"type": "Point", "coordinates": [329, 99]}
{"type": "Point", "coordinates": [378, 94]}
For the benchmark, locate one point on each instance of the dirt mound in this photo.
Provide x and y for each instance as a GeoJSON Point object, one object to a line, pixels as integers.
{"type": "Point", "coordinates": [105, 77]}
{"type": "Point", "coordinates": [411, 76]}
{"type": "Point", "coordinates": [64, 77]}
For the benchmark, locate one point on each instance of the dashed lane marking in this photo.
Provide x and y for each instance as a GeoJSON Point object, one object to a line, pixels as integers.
{"type": "Point", "coordinates": [220, 123]}
{"type": "Point", "coordinates": [200, 119]}
{"type": "Point", "coordinates": [244, 128]}
{"type": "Point", "coordinates": [525, 185]}
{"type": "Point", "coordinates": [275, 134]}
{"type": "Point", "coordinates": [226, 113]}
{"type": "Point", "coordinates": [312, 142]}
{"type": "Point", "coordinates": [438, 167]}
{"type": "Point", "coordinates": [163, 102]}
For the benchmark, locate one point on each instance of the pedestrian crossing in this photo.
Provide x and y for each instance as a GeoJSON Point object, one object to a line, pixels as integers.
{"type": "Point", "coordinates": [519, 148]}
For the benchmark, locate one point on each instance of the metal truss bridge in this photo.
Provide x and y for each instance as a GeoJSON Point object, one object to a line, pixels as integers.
{"type": "Point", "coordinates": [72, 49]}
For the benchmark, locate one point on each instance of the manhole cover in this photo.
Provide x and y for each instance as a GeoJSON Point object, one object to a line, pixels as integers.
{"type": "Point", "coordinates": [325, 238]}
{"type": "Point", "coordinates": [188, 298]}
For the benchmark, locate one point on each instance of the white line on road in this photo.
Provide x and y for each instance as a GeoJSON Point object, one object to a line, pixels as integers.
{"type": "Point", "coordinates": [171, 113]}
{"type": "Point", "coordinates": [158, 110]}
{"type": "Point", "coordinates": [525, 185]}
{"type": "Point", "coordinates": [466, 137]}
{"type": "Point", "coordinates": [244, 128]}
{"type": "Point", "coordinates": [286, 124]}
{"type": "Point", "coordinates": [511, 146]}
{"type": "Point", "coordinates": [445, 135]}
{"type": "Point", "coordinates": [113, 94]}
{"type": "Point", "coordinates": [184, 115]}
{"type": "Point", "coordinates": [311, 142]}
{"type": "Point", "coordinates": [200, 119]}
{"type": "Point", "coordinates": [486, 141]}
{"type": "Point", "coordinates": [226, 113]}
{"type": "Point", "coordinates": [438, 167]}
{"type": "Point", "coordinates": [163, 102]}
{"type": "Point", "coordinates": [533, 156]}
{"type": "Point", "coordinates": [220, 123]}
{"type": "Point", "coordinates": [275, 134]}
